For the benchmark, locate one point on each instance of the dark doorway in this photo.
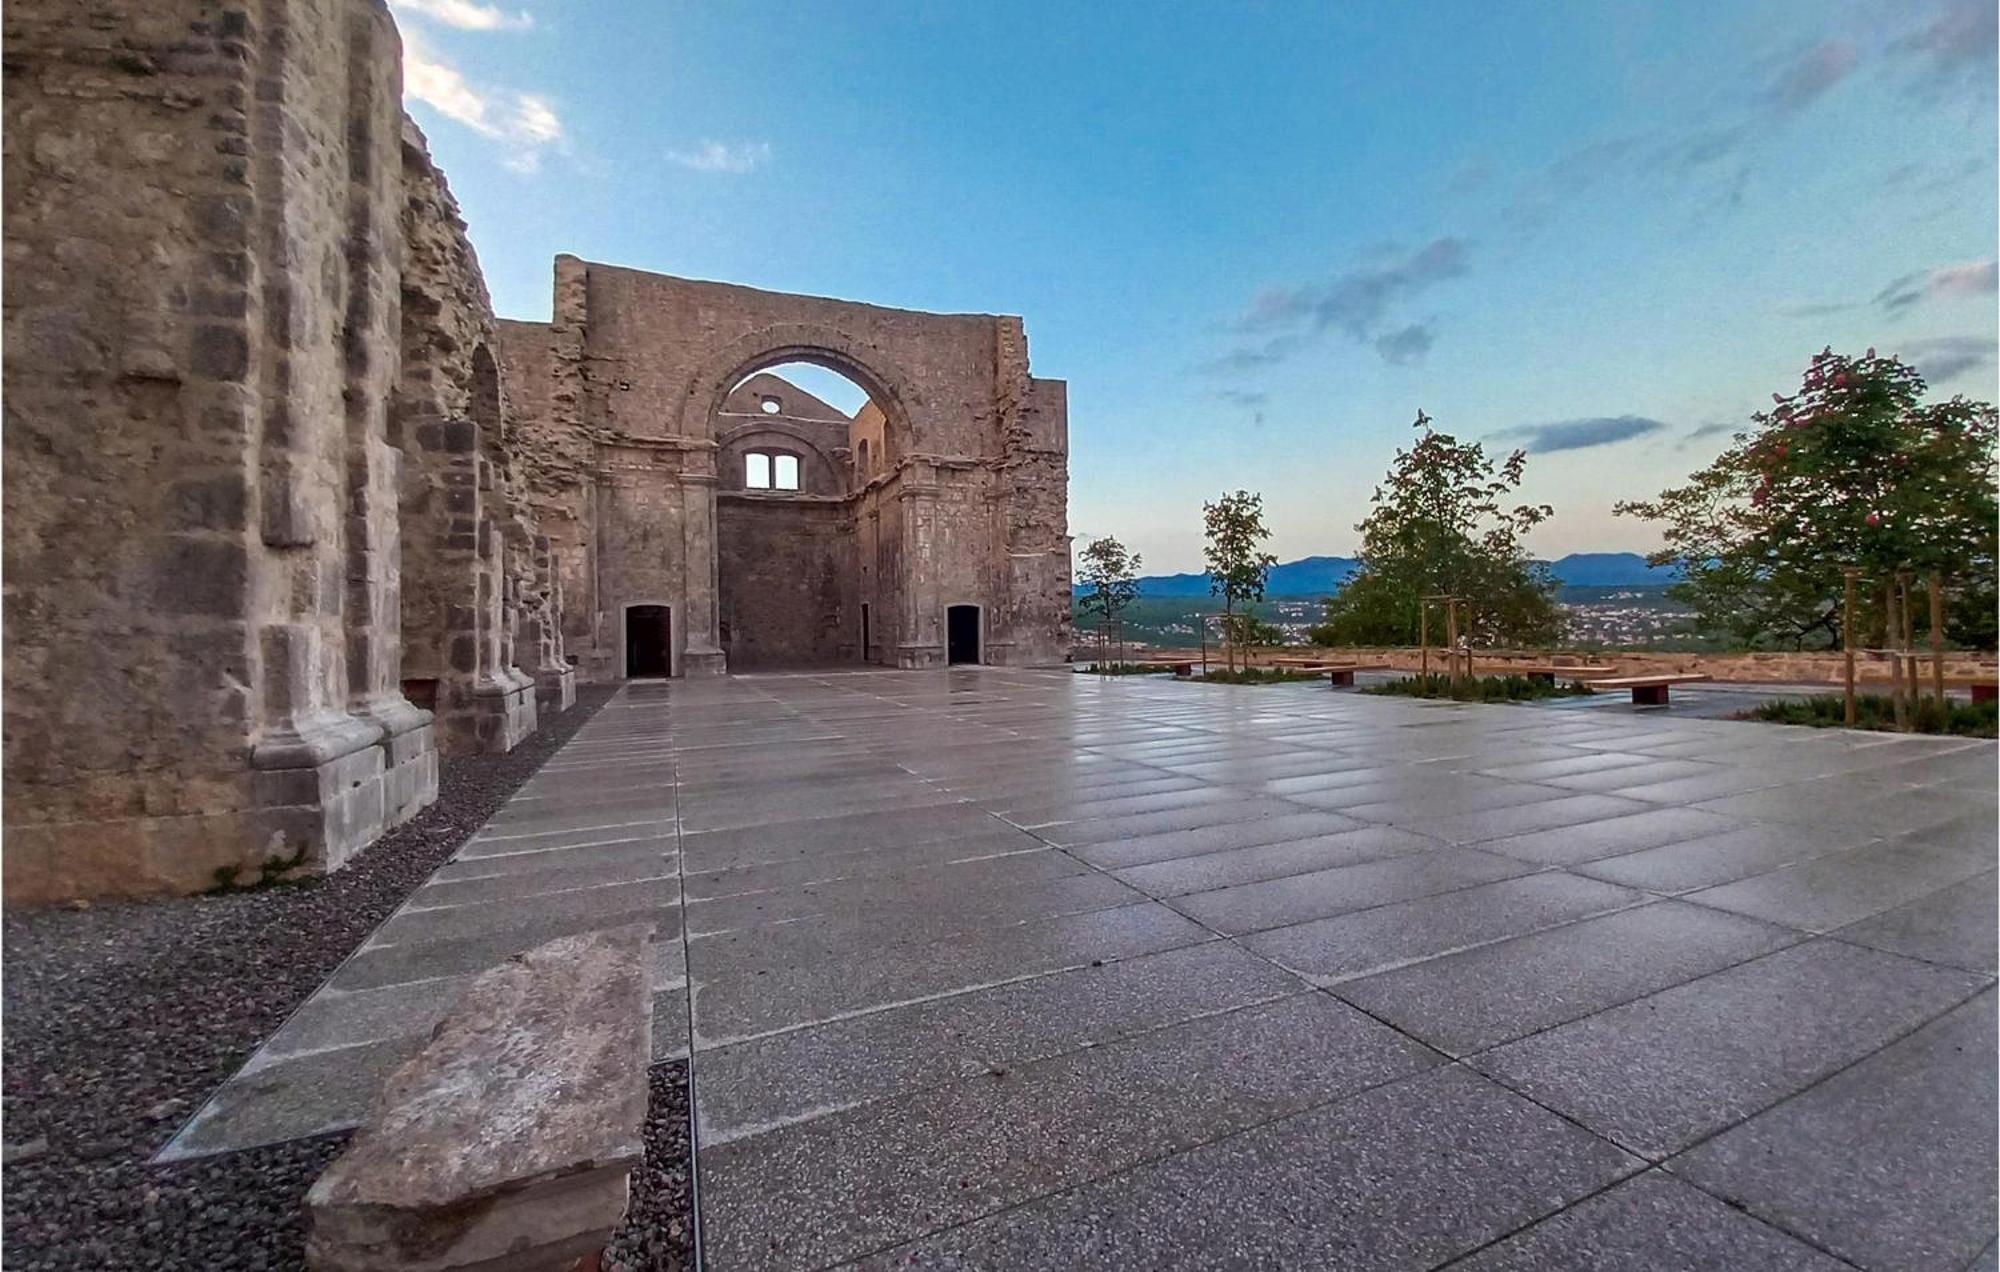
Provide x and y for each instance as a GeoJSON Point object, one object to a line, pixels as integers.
{"type": "Point", "coordinates": [962, 634]}
{"type": "Point", "coordinates": [648, 641]}
{"type": "Point", "coordinates": [867, 646]}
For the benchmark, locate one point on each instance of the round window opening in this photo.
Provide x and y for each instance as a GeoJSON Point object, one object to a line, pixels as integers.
{"type": "Point", "coordinates": [769, 405]}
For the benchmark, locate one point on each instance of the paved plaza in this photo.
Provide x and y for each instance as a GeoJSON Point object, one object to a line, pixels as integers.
{"type": "Point", "coordinates": [1019, 969]}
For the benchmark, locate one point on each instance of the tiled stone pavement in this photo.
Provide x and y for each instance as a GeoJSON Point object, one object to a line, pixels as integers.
{"type": "Point", "coordinates": [1024, 969]}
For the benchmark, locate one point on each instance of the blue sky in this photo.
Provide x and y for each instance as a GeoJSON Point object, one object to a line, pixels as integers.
{"type": "Point", "coordinates": [1256, 238]}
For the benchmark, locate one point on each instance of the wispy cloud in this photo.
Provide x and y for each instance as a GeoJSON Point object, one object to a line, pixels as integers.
{"type": "Point", "coordinates": [1562, 435]}
{"type": "Point", "coordinates": [1814, 73]}
{"type": "Point", "coordinates": [1249, 399]}
{"type": "Point", "coordinates": [1948, 357]}
{"type": "Point", "coordinates": [1814, 308]}
{"type": "Point", "coordinates": [1714, 428]}
{"type": "Point", "coordinates": [722, 156]}
{"type": "Point", "coordinates": [1406, 344]}
{"type": "Point", "coordinates": [1357, 304]}
{"type": "Point", "coordinates": [525, 124]}
{"type": "Point", "coordinates": [1971, 278]}
{"type": "Point", "coordinates": [467, 15]}
{"type": "Point", "coordinates": [1253, 357]}
{"type": "Point", "coordinates": [1955, 45]}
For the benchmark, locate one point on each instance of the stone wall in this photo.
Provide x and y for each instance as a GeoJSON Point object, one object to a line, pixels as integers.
{"type": "Point", "coordinates": [965, 503]}
{"type": "Point", "coordinates": [461, 522]}
{"type": "Point", "coordinates": [235, 293]}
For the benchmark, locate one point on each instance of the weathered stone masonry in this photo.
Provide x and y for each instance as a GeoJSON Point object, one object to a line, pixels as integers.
{"type": "Point", "coordinates": [637, 446]}
{"type": "Point", "coordinates": [214, 219]}
{"type": "Point", "coordinates": [289, 513]}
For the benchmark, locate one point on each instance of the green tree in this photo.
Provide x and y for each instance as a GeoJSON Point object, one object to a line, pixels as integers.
{"type": "Point", "coordinates": [1237, 562]}
{"type": "Point", "coordinates": [1108, 572]}
{"type": "Point", "coordinates": [1438, 526]}
{"type": "Point", "coordinates": [1854, 469]}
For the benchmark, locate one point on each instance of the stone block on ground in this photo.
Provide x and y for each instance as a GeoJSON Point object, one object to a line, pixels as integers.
{"type": "Point", "coordinates": [509, 1141]}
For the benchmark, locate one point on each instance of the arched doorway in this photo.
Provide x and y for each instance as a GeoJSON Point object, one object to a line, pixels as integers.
{"type": "Point", "coordinates": [962, 634]}
{"type": "Point", "coordinates": [649, 641]}
{"type": "Point", "coordinates": [799, 452]}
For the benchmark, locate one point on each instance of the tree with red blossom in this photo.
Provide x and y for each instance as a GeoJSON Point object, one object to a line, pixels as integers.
{"type": "Point", "coordinates": [1854, 469]}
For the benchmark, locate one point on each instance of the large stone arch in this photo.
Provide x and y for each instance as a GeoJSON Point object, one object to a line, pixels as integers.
{"type": "Point", "coordinates": [886, 385]}
{"type": "Point", "coordinates": [839, 590]}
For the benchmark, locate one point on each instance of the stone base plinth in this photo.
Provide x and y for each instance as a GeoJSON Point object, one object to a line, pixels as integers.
{"type": "Point", "coordinates": [312, 797]}
{"type": "Point", "coordinates": [555, 690]}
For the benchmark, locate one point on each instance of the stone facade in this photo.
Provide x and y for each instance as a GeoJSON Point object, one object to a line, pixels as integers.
{"type": "Point", "coordinates": [244, 339]}
{"type": "Point", "coordinates": [289, 513]}
{"type": "Point", "coordinates": [640, 399]}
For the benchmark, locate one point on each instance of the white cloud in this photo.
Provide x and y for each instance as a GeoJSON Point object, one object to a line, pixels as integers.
{"type": "Point", "coordinates": [718, 156]}
{"type": "Point", "coordinates": [468, 15]}
{"type": "Point", "coordinates": [525, 124]}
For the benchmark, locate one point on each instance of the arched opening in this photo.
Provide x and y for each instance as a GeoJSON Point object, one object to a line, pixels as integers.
{"type": "Point", "coordinates": [649, 641]}
{"type": "Point", "coordinates": [961, 624]}
{"type": "Point", "coordinates": [798, 529]}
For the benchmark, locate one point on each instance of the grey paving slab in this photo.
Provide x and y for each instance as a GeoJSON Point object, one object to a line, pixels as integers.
{"type": "Point", "coordinates": [1709, 860]}
{"type": "Point", "coordinates": [421, 959]}
{"type": "Point", "coordinates": [1851, 803]}
{"type": "Point", "coordinates": [1209, 870]}
{"type": "Point", "coordinates": [1650, 1223]}
{"type": "Point", "coordinates": [753, 1086]}
{"type": "Point", "coordinates": [843, 1185]}
{"type": "Point", "coordinates": [857, 863]}
{"type": "Point", "coordinates": [1327, 951]}
{"type": "Point", "coordinates": [1253, 907]}
{"type": "Point", "coordinates": [924, 823]}
{"type": "Point", "coordinates": [1639, 827]}
{"type": "Point", "coordinates": [477, 919]}
{"type": "Point", "coordinates": [747, 984]}
{"type": "Point", "coordinates": [334, 1019]}
{"type": "Point", "coordinates": [1519, 819]}
{"type": "Point", "coordinates": [276, 1100]}
{"type": "Point", "coordinates": [1835, 890]}
{"type": "Point", "coordinates": [1404, 1176]}
{"type": "Point", "coordinates": [944, 899]}
{"type": "Point", "coordinates": [1233, 812]}
{"type": "Point", "coordinates": [544, 878]}
{"type": "Point", "coordinates": [1657, 1074]}
{"type": "Point", "coordinates": [1889, 1164]}
{"type": "Point", "coordinates": [1285, 827]}
{"type": "Point", "coordinates": [1470, 1001]}
{"type": "Point", "coordinates": [1955, 925]}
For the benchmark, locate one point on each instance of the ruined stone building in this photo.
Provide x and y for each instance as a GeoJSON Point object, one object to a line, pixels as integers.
{"type": "Point", "coordinates": [715, 518]}
{"type": "Point", "coordinates": [289, 513]}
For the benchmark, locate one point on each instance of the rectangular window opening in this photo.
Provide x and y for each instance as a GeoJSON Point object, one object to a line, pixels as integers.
{"type": "Point", "coordinates": [787, 476]}
{"type": "Point", "coordinates": [757, 471]}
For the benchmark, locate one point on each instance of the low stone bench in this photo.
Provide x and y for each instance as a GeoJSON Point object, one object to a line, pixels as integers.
{"type": "Point", "coordinates": [509, 1141]}
{"type": "Point", "coordinates": [1342, 676]}
{"type": "Point", "coordinates": [1647, 691]}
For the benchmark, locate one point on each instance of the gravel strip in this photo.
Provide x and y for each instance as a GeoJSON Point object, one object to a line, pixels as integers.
{"type": "Point", "coordinates": [122, 1017]}
{"type": "Point", "coordinates": [658, 1232]}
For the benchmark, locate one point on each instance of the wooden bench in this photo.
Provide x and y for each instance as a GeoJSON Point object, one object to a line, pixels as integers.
{"type": "Point", "coordinates": [1341, 675]}
{"type": "Point", "coordinates": [1647, 691]}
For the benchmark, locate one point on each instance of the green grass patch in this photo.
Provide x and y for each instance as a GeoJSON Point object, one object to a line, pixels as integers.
{"type": "Point", "coordinates": [1479, 688]}
{"type": "Point", "coordinates": [1260, 676]}
{"type": "Point", "coordinates": [1876, 711]}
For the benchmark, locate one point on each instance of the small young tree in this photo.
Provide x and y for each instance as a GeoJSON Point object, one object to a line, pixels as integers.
{"type": "Point", "coordinates": [1438, 527]}
{"type": "Point", "coordinates": [1108, 572]}
{"type": "Point", "coordinates": [1852, 470]}
{"type": "Point", "coordinates": [1237, 562]}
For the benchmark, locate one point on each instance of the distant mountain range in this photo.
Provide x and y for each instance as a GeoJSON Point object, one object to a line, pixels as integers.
{"type": "Point", "coordinates": [1322, 575]}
